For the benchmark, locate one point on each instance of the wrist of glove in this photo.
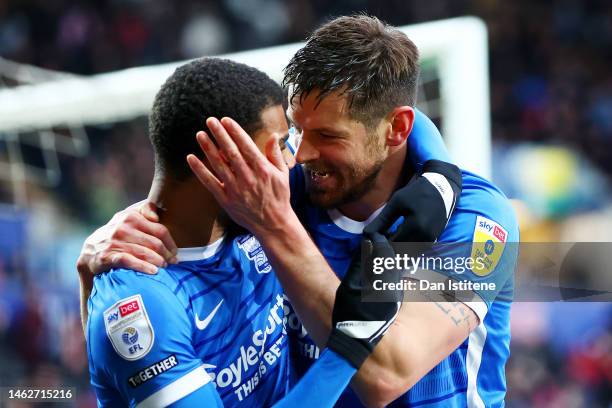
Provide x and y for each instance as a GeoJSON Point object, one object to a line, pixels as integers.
{"type": "Point", "coordinates": [358, 326]}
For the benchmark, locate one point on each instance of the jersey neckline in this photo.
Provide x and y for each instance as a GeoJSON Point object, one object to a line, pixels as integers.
{"type": "Point", "coordinates": [348, 224]}
{"type": "Point", "coordinates": [200, 253]}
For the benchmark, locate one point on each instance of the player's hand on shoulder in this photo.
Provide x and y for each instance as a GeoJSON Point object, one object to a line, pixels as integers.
{"type": "Point", "coordinates": [426, 203]}
{"type": "Point", "coordinates": [132, 239]}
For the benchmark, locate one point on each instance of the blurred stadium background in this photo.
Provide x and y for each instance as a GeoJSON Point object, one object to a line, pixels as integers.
{"type": "Point", "coordinates": [545, 138]}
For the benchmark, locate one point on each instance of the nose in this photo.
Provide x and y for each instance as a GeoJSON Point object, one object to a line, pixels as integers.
{"type": "Point", "coordinates": [306, 151]}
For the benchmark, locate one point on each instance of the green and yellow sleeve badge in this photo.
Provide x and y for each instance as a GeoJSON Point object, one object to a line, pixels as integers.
{"type": "Point", "coordinates": [487, 245]}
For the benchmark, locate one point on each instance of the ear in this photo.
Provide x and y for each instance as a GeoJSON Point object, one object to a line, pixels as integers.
{"type": "Point", "coordinates": [401, 119]}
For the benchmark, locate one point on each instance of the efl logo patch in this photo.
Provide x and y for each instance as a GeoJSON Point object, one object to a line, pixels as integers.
{"type": "Point", "coordinates": [488, 245]}
{"type": "Point", "coordinates": [254, 252]}
{"type": "Point", "coordinates": [128, 328]}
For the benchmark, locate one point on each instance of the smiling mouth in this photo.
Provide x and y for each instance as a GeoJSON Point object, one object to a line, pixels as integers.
{"type": "Point", "coordinates": [318, 176]}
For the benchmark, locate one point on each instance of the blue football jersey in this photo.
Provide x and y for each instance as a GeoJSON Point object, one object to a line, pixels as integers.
{"type": "Point", "coordinates": [215, 319]}
{"type": "Point", "coordinates": [473, 375]}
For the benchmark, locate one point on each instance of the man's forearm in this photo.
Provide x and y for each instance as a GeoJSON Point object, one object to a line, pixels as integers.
{"type": "Point", "coordinates": [421, 337]}
{"type": "Point", "coordinates": [305, 275]}
{"type": "Point", "coordinates": [85, 287]}
{"type": "Point", "coordinates": [311, 285]}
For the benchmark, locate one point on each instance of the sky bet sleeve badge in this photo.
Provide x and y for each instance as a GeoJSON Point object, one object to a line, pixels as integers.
{"type": "Point", "coordinates": [129, 329]}
{"type": "Point", "coordinates": [487, 245]}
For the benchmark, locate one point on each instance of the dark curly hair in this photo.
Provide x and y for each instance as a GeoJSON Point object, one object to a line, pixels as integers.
{"type": "Point", "coordinates": [199, 89]}
{"type": "Point", "coordinates": [375, 65]}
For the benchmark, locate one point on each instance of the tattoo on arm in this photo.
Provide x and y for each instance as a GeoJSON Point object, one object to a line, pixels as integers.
{"type": "Point", "coordinates": [458, 313]}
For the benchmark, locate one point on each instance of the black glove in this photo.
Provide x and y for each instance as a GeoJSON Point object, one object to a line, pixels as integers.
{"type": "Point", "coordinates": [358, 326]}
{"type": "Point", "coordinates": [426, 203]}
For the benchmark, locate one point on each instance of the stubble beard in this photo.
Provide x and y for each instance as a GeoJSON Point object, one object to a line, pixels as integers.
{"type": "Point", "coordinates": [355, 191]}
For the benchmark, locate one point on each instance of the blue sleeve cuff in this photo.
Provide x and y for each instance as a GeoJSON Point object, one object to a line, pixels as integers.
{"type": "Point", "coordinates": [323, 383]}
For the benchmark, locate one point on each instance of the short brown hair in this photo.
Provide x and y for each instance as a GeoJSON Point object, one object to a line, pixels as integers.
{"type": "Point", "coordinates": [375, 65]}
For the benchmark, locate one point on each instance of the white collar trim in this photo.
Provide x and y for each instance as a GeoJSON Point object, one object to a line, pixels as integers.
{"type": "Point", "coordinates": [348, 224]}
{"type": "Point", "coordinates": [199, 253]}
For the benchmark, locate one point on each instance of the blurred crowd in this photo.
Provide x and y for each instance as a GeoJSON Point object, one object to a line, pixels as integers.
{"type": "Point", "coordinates": [549, 65]}
{"type": "Point", "coordinates": [550, 87]}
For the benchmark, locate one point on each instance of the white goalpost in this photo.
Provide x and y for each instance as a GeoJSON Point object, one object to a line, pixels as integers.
{"type": "Point", "coordinates": [454, 90]}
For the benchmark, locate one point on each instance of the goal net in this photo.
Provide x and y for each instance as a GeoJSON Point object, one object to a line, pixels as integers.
{"type": "Point", "coordinates": [46, 115]}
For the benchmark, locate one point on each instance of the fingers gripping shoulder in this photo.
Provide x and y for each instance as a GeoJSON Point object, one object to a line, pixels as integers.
{"type": "Point", "coordinates": [426, 203]}
{"type": "Point", "coordinates": [131, 239]}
